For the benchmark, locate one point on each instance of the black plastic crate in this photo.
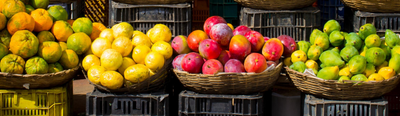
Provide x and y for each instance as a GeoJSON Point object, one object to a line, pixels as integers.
{"type": "Point", "coordinates": [143, 17]}
{"type": "Point", "coordinates": [381, 21]}
{"type": "Point", "coordinates": [331, 9]}
{"type": "Point", "coordinates": [107, 104]}
{"type": "Point", "coordinates": [314, 106]}
{"type": "Point", "coordinates": [272, 23]}
{"type": "Point", "coordinates": [195, 104]}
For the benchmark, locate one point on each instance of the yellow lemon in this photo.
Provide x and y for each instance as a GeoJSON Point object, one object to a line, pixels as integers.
{"type": "Point", "coordinates": [108, 34]}
{"type": "Point", "coordinates": [163, 48]}
{"type": "Point", "coordinates": [159, 32]}
{"type": "Point", "coordinates": [99, 45]}
{"type": "Point", "coordinates": [94, 74]}
{"type": "Point", "coordinates": [299, 55]}
{"type": "Point", "coordinates": [137, 73]}
{"type": "Point", "coordinates": [111, 59]}
{"type": "Point", "coordinates": [112, 80]}
{"type": "Point", "coordinates": [123, 45]}
{"type": "Point", "coordinates": [287, 61]}
{"type": "Point", "coordinates": [312, 64]}
{"type": "Point", "coordinates": [137, 32]}
{"type": "Point", "coordinates": [141, 39]}
{"type": "Point", "coordinates": [127, 62]}
{"type": "Point", "coordinates": [387, 72]}
{"type": "Point", "coordinates": [90, 61]}
{"type": "Point", "coordinates": [139, 53]}
{"type": "Point", "coordinates": [375, 77]}
{"type": "Point", "coordinates": [154, 61]}
{"type": "Point", "coordinates": [122, 29]}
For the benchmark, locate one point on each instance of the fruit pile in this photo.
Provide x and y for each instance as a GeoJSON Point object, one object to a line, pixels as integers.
{"type": "Point", "coordinates": [36, 39]}
{"type": "Point", "coordinates": [333, 54]}
{"type": "Point", "coordinates": [121, 56]}
{"type": "Point", "coordinates": [220, 48]}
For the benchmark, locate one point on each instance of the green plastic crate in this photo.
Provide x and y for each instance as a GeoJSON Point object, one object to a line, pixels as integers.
{"type": "Point", "coordinates": [228, 9]}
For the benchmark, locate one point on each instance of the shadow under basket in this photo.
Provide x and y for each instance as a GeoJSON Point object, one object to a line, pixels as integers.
{"type": "Point", "coordinates": [152, 83]}
{"type": "Point", "coordinates": [348, 90]}
{"type": "Point", "coordinates": [230, 83]}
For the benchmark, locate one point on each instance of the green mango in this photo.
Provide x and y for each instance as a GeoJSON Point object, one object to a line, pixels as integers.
{"type": "Point", "coordinates": [366, 30]}
{"type": "Point", "coordinates": [336, 38]}
{"type": "Point", "coordinates": [373, 40]}
{"type": "Point", "coordinates": [395, 50]}
{"type": "Point", "coordinates": [303, 45]}
{"type": "Point", "coordinates": [342, 78]}
{"type": "Point", "coordinates": [322, 40]}
{"type": "Point", "coordinates": [348, 52]}
{"type": "Point", "coordinates": [329, 73]}
{"type": "Point", "coordinates": [5, 37]}
{"type": "Point", "coordinates": [331, 25]}
{"type": "Point", "coordinates": [387, 50]}
{"type": "Point", "coordinates": [322, 65]}
{"type": "Point", "coordinates": [359, 77]}
{"type": "Point", "coordinates": [354, 40]}
{"type": "Point", "coordinates": [391, 38]}
{"type": "Point", "coordinates": [394, 62]}
{"type": "Point", "coordinates": [298, 66]}
{"type": "Point", "coordinates": [314, 34]}
{"type": "Point", "coordinates": [314, 52]}
{"type": "Point", "coordinates": [344, 33]}
{"type": "Point", "coordinates": [369, 70]}
{"type": "Point", "coordinates": [357, 64]}
{"type": "Point", "coordinates": [375, 55]}
{"type": "Point", "coordinates": [335, 49]}
{"type": "Point", "coordinates": [363, 50]}
{"type": "Point", "coordinates": [331, 58]}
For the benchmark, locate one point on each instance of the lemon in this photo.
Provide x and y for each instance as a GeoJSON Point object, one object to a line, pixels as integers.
{"type": "Point", "coordinates": [112, 80]}
{"type": "Point", "coordinates": [137, 73]}
{"type": "Point", "coordinates": [94, 74]}
{"type": "Point", "coordinates": [123, 45]}
{"type": "Point", "coordinates": [154, 61]}
{"type": "Point", "coordinates": [159, 32]}
{"type": "Point", "coordinates": [89, 61]}
{"type": "Point", "coordinates": [108, 34]}
{"type": "Point", "coordinates": [139, 53]}
{"type": "Point", "coordinates": [127, 62]}
{"type": "Point", "coordinates": [299, 55]}
{"type": "Point", "coordinates": [141, 39]}
{"type": "Point", "coordinates": [387, 72]}
{"type": "Point", "coordinates": [111, 59]}
{"type": "Point", "coordinates": [375, 77]}
{"type": "Point", "coordinates": [137, 32]}
{"type": "Point", "coordinates": [163, 48]}
{"type": "Point", "coordinates": [122, 29]}
{"type": "Point", "coordinates": [312, 64]}
{"type": "Point", "coordinates": [99, 45]}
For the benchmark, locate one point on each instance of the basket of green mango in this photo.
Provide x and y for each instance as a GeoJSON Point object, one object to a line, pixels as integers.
{"type": "Point", "coordinates": [346, 66]}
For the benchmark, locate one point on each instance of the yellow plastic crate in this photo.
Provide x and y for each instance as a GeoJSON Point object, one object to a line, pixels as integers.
{"type": "Point", "coordinates": [35, 102]}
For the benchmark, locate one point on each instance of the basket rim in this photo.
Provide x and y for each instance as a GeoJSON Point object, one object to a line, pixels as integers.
{"type": "Point", "coordinates": [3, 74]}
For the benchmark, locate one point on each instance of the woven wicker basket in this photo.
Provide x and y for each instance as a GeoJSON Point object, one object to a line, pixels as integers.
{"type": "Point", "coordinates": [152, 83]}
{"type": "Point", "coordinates": [143, 2]}
{"type": "Point", "coordinates": [229, 83]}
{"type": "Point", "coordinates": [61, 1]}
{"type": "Point", "coordinates": [276, 4]}
{"type": "Point", "coordinates": [348, 90]}
{"type": "Point", "coordinates": [374, 5]}
{"type": "Point", "coordinates": [36, 81]}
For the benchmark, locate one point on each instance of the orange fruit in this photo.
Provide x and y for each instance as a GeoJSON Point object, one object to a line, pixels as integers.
{"type": "Point", "coordinates": [79, 42]}
{"type": "Point", "coordinates": [162, 48]}
{"type": "Point", "coordinates": [159, 32]}
{"type": "Point", "coordinates": [63, 46]}
{"type": "Point", "coordinates": [45, 36]}
{"type": "Point", "coordinates": [70, 22]}
{"type": "Point", "coordinates": [111, 59]}
{"type": "Point", "coordinates": [1, 5]}
{"type": "Point", "coordinates": [122, 29]}
{"type": "Point", "coordinates": [61, 30]}
{"type": "Point", "coordinates": [43, 20]}
{"type": "Point", "coordinates": [69, 59]}
{"type": "Point", "coordinates": [36, 65]}
{"type": "Point", "coordinates": [100, 45]}
{"type": "Point", "coordinates": [154, 61]}
{"type": "Point", "coordinates": [20, 21]}
{"type": "Point", "coordinates": [141, 39]}
{"type": "Point", "coordinates": [108, 34]}
{"type": "Point", "coordinates": [94, 74]}
{"type": "Point", "coordinates": [137, 73]}
{"type": "Point", "coordinates": [56, 67]}
{"type": "Point", "coordinates": [123, 45]}
{"type": "Point", "coordinates": [12, 7]}
{"type": "Point", "coordinates": [12, 64]}
{"type": "Point", "coordinates": [84, 25]}
{"type": "Point", "coordinates": [3, 21]}
{"type": "Point", "coordinates": [97, 28]}
{"type": "Point", "coordinates": [5, 37]}
{"type": "Point", "coordinates": [127, 62]}
{"type": "Point", "coordinates": [24, 43]}
{"type": "Point", "coordinates": [50, 51]}
{"type": "Point", "coordinates": [139, 53]}
{"type": "Point", "coordinates": [3, 50]}
{"type": "Point", "coordinates": [58, 13]}
{"type": "Point", "coordinates": [90, 61]}
{"type": "Point", "coordinates": [112, 80]}
{"type": "Point", "coordinates": [39, 3]}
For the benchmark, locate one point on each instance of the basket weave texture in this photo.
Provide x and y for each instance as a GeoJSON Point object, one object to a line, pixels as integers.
{"type": "Point", "coordinates": [36, 81]}
{"type": "Point", "coordinates": [374, 5]}
{"type": "Point", "coordinates": [276, 4]}
{"type": "Point", "coordinates": [229, 83]}
{"type": "Point", "coordinates": [142, 2]}
{"type": "Point", "coordinates": [348, 90]}
{"type": "Point", "coordinates": [152, 83]}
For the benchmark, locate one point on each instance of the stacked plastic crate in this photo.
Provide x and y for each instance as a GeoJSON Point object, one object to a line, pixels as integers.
{"type": "Point", "coordinates": [200, 12]}
{"type": "Point", "coordinates": [227, 9]}
{"type": "Point", "coordinates": [331, 9]}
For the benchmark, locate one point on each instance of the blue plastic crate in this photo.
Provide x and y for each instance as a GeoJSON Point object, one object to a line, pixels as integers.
{"type": "Point", "coordinates": [331, 9]}
{"type": "Point", "coordinates": [228, 9]}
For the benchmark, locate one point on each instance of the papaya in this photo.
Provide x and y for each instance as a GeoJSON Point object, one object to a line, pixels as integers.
{"type": "Point", "coordinates": [366, 30]}
{"type": "Point", "coordinates": [336, 38]}
{"type": "Point", "coordinates": [391, 38]}
{"type": "Point", "coordinates": [303, 45]}
{"type": "Point", "coordinates": [329, 73]}
{"type": "Point", "coordinates": [357, 64]}
{"type": "Point", "coordinates": [354, 40]}
{"type": "Point", "coordinates": [331, 58]}
{"type": "Point", "coordinates": [375, 55]}
{"type": "Point", "coordinates": [314, 52]}
{"type": "Point", "coordinates": [298, 66]}
{"type": "Point", "coordinates": [314, 34]}
{"type": "Point", "coordinates": [330, 26]}
{"type": "Point", "coordinates": [348, 52]}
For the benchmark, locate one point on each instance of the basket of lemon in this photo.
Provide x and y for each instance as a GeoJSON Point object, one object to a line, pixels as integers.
{"type": "Point", "coordinates": [128, 61]}
{"type": "Point", "coordinates": [346, 66]}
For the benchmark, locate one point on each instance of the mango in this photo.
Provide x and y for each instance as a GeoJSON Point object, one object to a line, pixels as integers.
{"type": "Point", "coordinates": [298, 66]}
{"type": "Point", "coordinates": [391, 38]}
{"type": "Point", "coordinates": [354, 40]}
{"type": "Point", "coordinates": [335, 49]}
{"type": "Point", "coordinates": [342, 78]}
{"type": "Point", "coordinates": [366, 30]}
{"type": "Point", "coordinates": [387, 50]}
{"type": "Point", "coordinates": [329, 73]}
{"type": "Point", "coordinates": [348, 52]}
{"type": "Point", "coordinates": [394, 62]}
{"type": "Point", "coordinates": [331, 25]}
{"type": "Point", "coordinates": [314, 34]}
{"type": "Point", "coordinates": [357, 64]}
{"type": "Point", "coordinates": [373, 40]}
{"type": "Point", "coordinates": [369, 70]}
{"type": "Point", "coordinates": [336, 38]}
{"type": "Point", "coordinates": [395, 50]}
{"type": "Point", "coordinates": [314, 52]}
{"type": "Point", "coordinates": [375, 55]}
{"type": "Point", "coordinates": [359, 77]}
{"type": "Point", "coordinates": [331, 58]}
{"type": "Point", "coordinates": [322, 41]}
{"type": "Point", "coordinates": [375, 77]}
{"type": "Point", "coordinates": [303, 45]}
